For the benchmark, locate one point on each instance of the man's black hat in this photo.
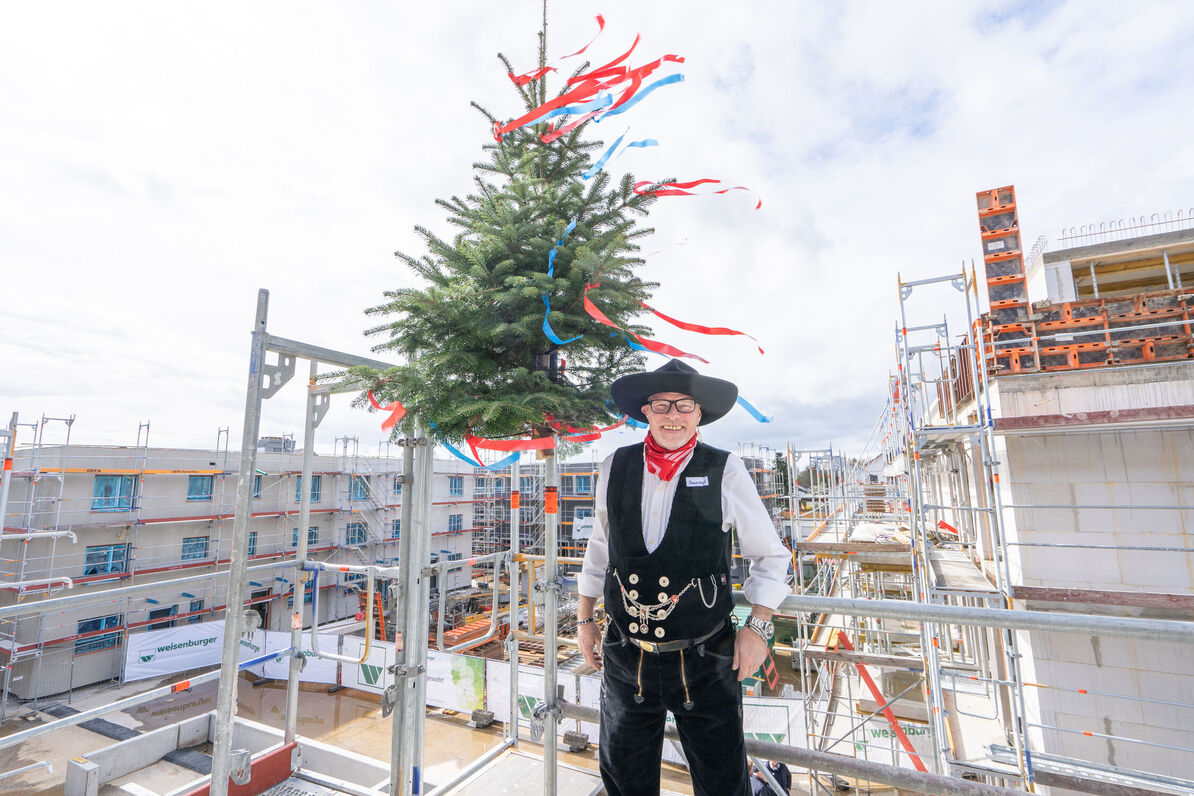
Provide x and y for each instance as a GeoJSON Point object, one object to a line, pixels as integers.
{"type": "Point", "coordinates": [716, 396]}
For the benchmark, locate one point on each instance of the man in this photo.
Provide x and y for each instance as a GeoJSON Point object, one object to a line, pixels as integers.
{"type": "Point", "coordinates": [783, 778]}
{"type": "Point", "coordinates": [660, 557]}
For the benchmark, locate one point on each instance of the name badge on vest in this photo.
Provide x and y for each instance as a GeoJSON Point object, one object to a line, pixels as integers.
{"type": "Point", "coordinates": [696, 481]}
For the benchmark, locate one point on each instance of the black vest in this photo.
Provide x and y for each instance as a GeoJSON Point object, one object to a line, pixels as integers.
{"type": "Point", "coordinates": [683, 587]}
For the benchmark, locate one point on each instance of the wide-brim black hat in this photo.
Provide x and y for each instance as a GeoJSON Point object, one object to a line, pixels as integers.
{"type": "Point", "coordinates": [716, 396]}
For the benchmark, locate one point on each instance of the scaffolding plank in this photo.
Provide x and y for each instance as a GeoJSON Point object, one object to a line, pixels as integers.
{"type": "Point", "coordinates": [954, 571]}
{"type": "Point", "coordinates": [1142, 599]}
{"type": "Point", "coordinates": [852, 548]}
{"type": "Point", "coordinates": [906, 662]}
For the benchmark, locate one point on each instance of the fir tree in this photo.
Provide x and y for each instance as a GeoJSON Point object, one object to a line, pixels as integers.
{"type": "Point", "coordinates": [476, 357]}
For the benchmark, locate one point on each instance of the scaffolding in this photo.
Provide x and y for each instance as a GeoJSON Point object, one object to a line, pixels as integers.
{"type": "Point", "coordinates": [861, 553]}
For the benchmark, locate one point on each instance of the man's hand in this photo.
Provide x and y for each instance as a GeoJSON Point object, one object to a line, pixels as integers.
{"type": "Point", "coordinates": [749, 653]}
{"type": "Point", "coordinates": [589, 638]}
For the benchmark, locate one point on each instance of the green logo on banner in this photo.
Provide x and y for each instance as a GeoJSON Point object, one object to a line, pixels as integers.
{"type": "Point", "coordinates": [148, 658]}
{"type": "Point", "coordinates": [372, 673]}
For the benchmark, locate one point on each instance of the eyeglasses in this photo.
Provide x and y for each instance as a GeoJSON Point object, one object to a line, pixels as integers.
{"type": "Point", "coordinates": [684, 406]}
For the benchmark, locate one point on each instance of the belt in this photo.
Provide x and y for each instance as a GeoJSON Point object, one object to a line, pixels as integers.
{"type": "Point", "coordinates": [678, 644]}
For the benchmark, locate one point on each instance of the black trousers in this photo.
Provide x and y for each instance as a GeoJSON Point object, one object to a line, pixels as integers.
{"type": "Point", "coordinates": [702, 692]}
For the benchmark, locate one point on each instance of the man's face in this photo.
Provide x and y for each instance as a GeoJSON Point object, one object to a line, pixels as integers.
{"type": "Point", "coordinates": [672, 428]}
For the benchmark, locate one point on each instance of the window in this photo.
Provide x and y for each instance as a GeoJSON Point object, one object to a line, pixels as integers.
{"type": "Point", "coordinates": [316, 488]}
{"type": "Point", "coordinates": [583, 512]}
{"type": "Point", "coordinates": [196, 605]}
{"type": "Point", "coordinates": [99, 642]}
{"type": "Point", "coordinates": [395, 528]}
{"type": "Point", "coordinates": [163, 613]}
{"type": "Point", "coordinates": [256, 486]}
{"type": "Point", "coordinates": [455, 485]}
{"type": "Point", "coordinates": [583, 484]}
{"type": "Point", "coordinates": [199, 487]}
{"type": "Point", "coordinates": [455, 522]}
{"type": "Point", "coordinates": [479, 486]}
{"type": "Point", "coordinates": [307, 594]}
{"type": "Point", "coordinates": [312, 536]}
{"type": "Point", "coordinates": [526, 483]}
{"type": "Point", "coordinates": [500, 485]}
{"type": "Point", "coordinates": [113, 492]}
{"type": "Point", "coordinates": [194, 548]}
{"type": "Point", "coordinates": [359, 489]}
{"type": "Point", "coordinates": [354, 534]}
{"type": "Point", "coordinates": [252, 543]}
{"type": "Point", "coordinates": [105, 558]}
{"type": "Point", "coordinates": [397, 485]}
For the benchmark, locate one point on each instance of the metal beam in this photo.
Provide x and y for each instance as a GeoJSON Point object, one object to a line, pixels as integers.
{"type": "Point", "coordinates": [317, 353]}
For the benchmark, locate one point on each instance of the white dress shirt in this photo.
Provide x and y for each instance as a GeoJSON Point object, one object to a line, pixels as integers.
{"type": "Point", "coordinates": [741, 508]}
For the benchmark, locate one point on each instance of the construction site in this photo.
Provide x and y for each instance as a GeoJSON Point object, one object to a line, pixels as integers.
{"type": "Point", "coordinates": [993, 598]}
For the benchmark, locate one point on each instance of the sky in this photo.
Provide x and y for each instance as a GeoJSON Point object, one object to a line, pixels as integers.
{"type": "Point", "coordinates": [162, 161]}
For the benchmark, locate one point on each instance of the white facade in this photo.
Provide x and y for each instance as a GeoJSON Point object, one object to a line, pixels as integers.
{"type": "Point", "coordinates": [156, 515]}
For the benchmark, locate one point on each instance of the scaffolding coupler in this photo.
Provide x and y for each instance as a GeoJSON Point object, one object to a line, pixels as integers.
{"type": "Point", "coordinates": [402, 671]}
{"type": "Point", "coordinates": [539, 717]}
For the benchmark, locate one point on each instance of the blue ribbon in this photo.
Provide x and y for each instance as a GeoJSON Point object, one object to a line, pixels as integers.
{"type": "Point", "coordinates": [550, 332]}
{"type": "Point", "coordinates": [601, 161]}
{"type": "Point", "coordinates": [639, 96]}
{"type": "Point", "coordinates": [467, 460]}
{"type": "Point", "coordinates": [602, 101]}
{"type": "Point", "coordinates": [755, 413]}
{"type": "Point", "coordinates": [630, 421]}
{"type": "Point", "coordinates": [551, 255]}
{"type": "Point", "coordinates": [609, 153]}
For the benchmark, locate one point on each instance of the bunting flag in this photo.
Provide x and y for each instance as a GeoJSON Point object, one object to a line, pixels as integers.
{"type": "Point", "coordinates": [396, 410]}
{"type": "Point", "coordinates": [693, 327]}
{"type": "Point", "coordinates": [683, 188]}
{"type": "Point", "coordinates": [645, 342]}
{"type": "Point", "coordinates": [522, 80]}
{"type": "Point", "coordinates": [755, 413]}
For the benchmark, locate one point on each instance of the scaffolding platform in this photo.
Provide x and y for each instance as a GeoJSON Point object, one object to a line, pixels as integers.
{"type": "Point", "coordinates": [954, 573]}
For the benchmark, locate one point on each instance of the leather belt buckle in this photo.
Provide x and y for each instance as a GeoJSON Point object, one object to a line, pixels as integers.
{"type": "Point", "coordinates": [649, 646]}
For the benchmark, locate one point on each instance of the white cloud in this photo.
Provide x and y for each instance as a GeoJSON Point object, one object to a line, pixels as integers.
{"type": "Point", "coordinates": [162, 161]}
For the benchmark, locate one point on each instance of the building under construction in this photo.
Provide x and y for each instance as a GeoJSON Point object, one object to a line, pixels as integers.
{"type": "Point", "coordinates": [995, 598]}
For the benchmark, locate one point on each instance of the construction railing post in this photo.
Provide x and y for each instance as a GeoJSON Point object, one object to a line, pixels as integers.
{"type": "Point", "coordinates": [301, 575]}
{"type": "Point", "coordinates": [234, 604]}
{"type": "Point", "coordinates": [422, 616]}
{"type": "Point", "coordinates": [550, 585]}
{"type": "Point", "coordinates": [515, 571]}
{"type": "Point", "coordinates": [411, 675]}
{"type": "Point", "coordinates": [399, 753]}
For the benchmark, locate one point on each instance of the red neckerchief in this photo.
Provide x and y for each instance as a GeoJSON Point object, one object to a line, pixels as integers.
{"type": "Point", "coordinates": [663, 462]}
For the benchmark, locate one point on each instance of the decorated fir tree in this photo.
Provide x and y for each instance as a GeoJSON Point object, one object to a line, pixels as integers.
{"type": "Point", "coordinates": [477, 358]}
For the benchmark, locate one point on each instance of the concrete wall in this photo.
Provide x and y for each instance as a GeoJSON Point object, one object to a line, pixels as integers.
{"type": "Point", "coordinates": [1084, 471]}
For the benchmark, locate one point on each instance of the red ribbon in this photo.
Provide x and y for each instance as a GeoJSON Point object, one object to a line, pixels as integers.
{"type": "Point", "coordinates": [536, 444]}
{"type": "Point", "coordinates": [396, 410]}
{"type": "Point", "coordinates": [692, 327]}
{"type": "Point", "coordinates": [522, 80]}
{"type": "Point", "coordinates": [646, 342]}
{"type": "Point", "coordinates": [681, 189]}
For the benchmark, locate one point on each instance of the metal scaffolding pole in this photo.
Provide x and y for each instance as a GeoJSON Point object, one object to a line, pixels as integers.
{"type": "Point", "coordinates": [515, 570]}
{"type": "Point", "coordinates": [550, 586]}
{"type": "Point", "coordinates": [410, 676]}
{"type": "Point", "coordinates": [233, 613]}
{"type": "Point", "coordinates": [317, 404]}
{"type": "Point", "coordinates": [399, 757]}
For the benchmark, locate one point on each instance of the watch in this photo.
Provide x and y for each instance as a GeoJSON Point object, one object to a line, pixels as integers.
{"type": "Point", "coordinates": [761, 626]}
